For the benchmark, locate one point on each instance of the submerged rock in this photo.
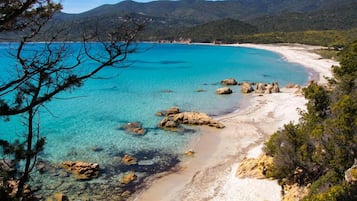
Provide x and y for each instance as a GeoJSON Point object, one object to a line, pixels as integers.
{"type": "Point", "coordinates": [134, 128]}
{"type": "Point", "coordinates": [129, 160]}
{"type": "Point", "coordinates": [82, 170]}
{"type": "Point", "coordinates": [59, 197]}
{"type": "Point", "coordinates": [128, 178]}
{"type": "Point", "coordinates": [224, 90]}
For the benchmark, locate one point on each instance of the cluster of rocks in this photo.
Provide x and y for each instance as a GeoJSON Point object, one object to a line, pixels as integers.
{"type": "Point", "coordinates": [247, 87]}
{"type": "Point", "coordinates": [174, 118]}
{"type": "Point", "coordinates": [81, 170]}
{"type": "Point", "coordinates": [227, 82]}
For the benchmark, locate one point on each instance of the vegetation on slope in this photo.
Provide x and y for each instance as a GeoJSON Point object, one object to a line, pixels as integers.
{"type": "Point", "coordinates": [323, 145]}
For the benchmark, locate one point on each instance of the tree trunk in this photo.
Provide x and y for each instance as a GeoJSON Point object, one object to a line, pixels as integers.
{"type": "Point", "coordinates": [29, 151]}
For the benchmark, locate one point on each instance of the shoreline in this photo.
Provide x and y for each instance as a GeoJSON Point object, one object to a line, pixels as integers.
{"type": "Point", "coordinates": [210, 174]}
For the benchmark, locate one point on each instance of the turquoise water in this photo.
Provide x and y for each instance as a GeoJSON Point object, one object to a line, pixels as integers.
{"type": "Point", "coordinates": [76, 123]}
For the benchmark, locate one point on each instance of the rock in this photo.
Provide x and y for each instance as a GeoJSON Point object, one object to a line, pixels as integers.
{"type": "Point", "coordinates": [126, 194]}
{"type": "Point", "coordinates": [260, 88]}
{"type": "Point", "coordinates": [246, 87]}
{"type": "Point", "coordinates": [201, 90]}
{"type": "Point", "coordinates": [60, 197]}
{"type": "Point", "coordinates": [168, 123]}
{"type": "Point", "coordinates": [197, 118]}
{"type": "Point", "coordinates": [254, 167]}
{"type": "Point", "coordinates": [291, 85]}
{"type": "Point", "coordinates": [134, 128]}
{"type": "Point", "coordinates": [294, 192]}
{"type": "Point", "coordinates": [166, 91]}
{"type": "Point", "coordinates": [275, 88]}
{"type": "Point", "coordinates": [229, 81]}
{"type": "Point", "coordinates": [129, 160]}
{"type": "Point", "coordinates": [189, 153]}
{"type": "Point", "coordinates": [127, 178]}
{"type": "Point", "coordinates": [267, 88]}
{"type": "Point", "coordinates": [160, 114]}
{"type": "Point", "coordinates": [173, 121]}
{"type": "Point", "coordinates": [81, 170]}
{"type": "Point", "coordinates": [172, 110]}
{"type": "Point", "coordinates": [351, 174]}
{"type": "Point", "coordinates": [224, 90]}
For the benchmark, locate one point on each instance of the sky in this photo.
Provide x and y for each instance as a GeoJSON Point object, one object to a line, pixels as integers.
{"type": "Point", "coordinates": [79, 6]}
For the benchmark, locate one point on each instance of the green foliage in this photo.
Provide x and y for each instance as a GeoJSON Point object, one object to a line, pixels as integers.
{"type": "Point", "coordinates": [289, 149]}
{"type": "Point", "coordinates": [328, 38]}
{"type": "Point", "coordinates": [221, 29]}
{"type": "Point", "coordinates": [318, 104]}
{"type": "Point", "coordinates": [338, 192]}
{"type": "Point", "coordinates": [322, 146]}
{"type": "Point", "coordinates": [324, 182]}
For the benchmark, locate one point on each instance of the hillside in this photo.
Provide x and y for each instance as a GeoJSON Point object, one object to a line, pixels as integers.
{"type": "Point", "coordinates": [203, 20]}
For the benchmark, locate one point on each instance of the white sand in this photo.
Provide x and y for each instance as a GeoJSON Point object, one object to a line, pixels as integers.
{"type": "Point", "coordinates": [210, 174]}
{"type": "Point", "coordinates": [301, 54]}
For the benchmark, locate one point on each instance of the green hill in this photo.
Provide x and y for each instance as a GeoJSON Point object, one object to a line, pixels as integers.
{"type": "Point", "coordinates": [208, 20]}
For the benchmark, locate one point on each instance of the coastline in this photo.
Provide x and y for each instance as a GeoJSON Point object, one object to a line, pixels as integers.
{"type": "Point", "coordinates": [210, 174]}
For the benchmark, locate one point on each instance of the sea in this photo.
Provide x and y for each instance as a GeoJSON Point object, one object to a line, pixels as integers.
{"type": "Point", "coordinates": [85, 123]}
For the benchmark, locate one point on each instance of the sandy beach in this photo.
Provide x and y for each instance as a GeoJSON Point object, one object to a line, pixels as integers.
{"type": "Point", "coordinates": [211, 173]}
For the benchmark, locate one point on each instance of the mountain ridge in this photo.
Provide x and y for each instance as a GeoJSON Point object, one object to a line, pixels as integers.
{"type": "Point", "coordinates": [169, 19]}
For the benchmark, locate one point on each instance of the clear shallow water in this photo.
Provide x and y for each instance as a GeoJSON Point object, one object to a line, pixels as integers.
{"type": "Point", "coordinates": [89, 117]}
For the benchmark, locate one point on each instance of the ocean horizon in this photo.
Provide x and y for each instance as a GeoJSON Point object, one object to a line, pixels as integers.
{"type": "Point", "coordinates": [85, 123]}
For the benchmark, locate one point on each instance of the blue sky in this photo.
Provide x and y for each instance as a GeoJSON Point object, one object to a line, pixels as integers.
{"type": "Point", "coordinates": [78, 6]}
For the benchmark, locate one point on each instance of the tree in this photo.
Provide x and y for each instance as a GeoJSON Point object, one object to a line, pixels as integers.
{"type": "Point", "coordinates": [43, 71]}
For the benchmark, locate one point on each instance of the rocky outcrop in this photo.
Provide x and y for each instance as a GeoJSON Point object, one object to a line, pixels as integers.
{"type": "Point", "coordinates": [168, 122]}
{"type": "Point", "coordinates": [224, 90]}
{"type": "Point", "coordinates": [254, 167]}
{"type": "Point", "coordinates": [81, 170]}
{"type": "Point", "coordinates": [351, 174]}
{"type": "Point", "coordinates": [294, 192]}
{"type": "Point", "coordinates": [260, 88]}
{"type": "Point", "coordinates": [173, 120]}
{"type": "Point", "coordinates": [246, 87]}
{"type": "Point", "coordinates": [170, 111]}
{"type": "Point", "coordinates": [275, 88]}
{"type": "Point", "coordinates": [133, 128]}
{"type": "Point", "coordinates": [196, 118]}
{"type": "Point", "coordinates": [229, 81]}
{"type": "Point", "coordinates": [263, 88]}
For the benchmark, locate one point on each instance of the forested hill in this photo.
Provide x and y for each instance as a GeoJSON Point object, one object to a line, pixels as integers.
{"type": "Point", "coordinates": [200, 19]}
